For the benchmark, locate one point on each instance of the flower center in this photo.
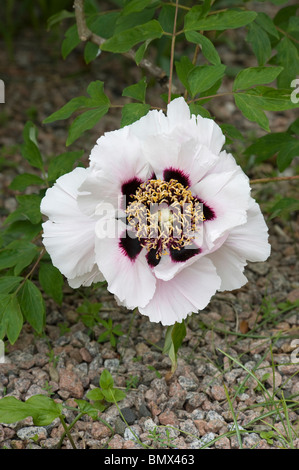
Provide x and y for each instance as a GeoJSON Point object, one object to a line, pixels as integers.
{"type": "Point", "coordinates": [164, 215]}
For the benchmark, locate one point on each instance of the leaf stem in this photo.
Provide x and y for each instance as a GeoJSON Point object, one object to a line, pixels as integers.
{"type": "Point", "coordinates": [67, 432]}
{"type": "Point", "coordinates": [172, 50]}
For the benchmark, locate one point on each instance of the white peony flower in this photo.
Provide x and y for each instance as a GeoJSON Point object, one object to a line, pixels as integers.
{"type": "Point", "coordinates": [161, 213]}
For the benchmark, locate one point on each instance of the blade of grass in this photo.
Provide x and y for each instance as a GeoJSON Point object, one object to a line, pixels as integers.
{"type": "Point", "coordinates": [234, 417]}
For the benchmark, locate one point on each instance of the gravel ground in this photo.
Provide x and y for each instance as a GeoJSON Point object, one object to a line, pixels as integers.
{"type": "Point", "coordinates": [250, 325]}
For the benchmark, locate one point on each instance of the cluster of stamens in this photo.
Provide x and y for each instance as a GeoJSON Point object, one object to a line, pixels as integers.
{"type": "Point", "coordinates": [164, 215]}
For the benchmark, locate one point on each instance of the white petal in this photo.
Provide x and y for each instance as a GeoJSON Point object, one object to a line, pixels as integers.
{"type": "Point", "coordinates": [69, 234]}
{"type": "Point", "coordinates": [251, 239]}
{"type": "Point", "coordinates": [62, 197]}
{"type": "Point", "coordinates": [210, 134]}
{"type": "Point", "coordinates": [130, 280]}
{"type": "Point", "coordinates": [115, 160]}
{"type": "Point", "coordinates": [189, 291]}
{"type": "Point", "coordinates": [229, 267]}
{"type": "Point", "coordinates": [228, 195]}
{"type": "Point", "coordinates": [87, 279]}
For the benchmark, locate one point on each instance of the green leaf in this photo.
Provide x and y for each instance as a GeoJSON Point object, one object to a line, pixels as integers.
{"type": "Point", "coordinates": [247, 106]}
{"type": "Point", "coordinates": [260, 43]}
{"type": "Point", "coordinates": [284, 206]}
{"type": "Point", "coordinates": [9, 283]}
{"type": "Point", "coordinates": [12, 410]}
{"type": "Point", "coordinates": [104, 24]}
{"type": "Point", "coordinates": [229, 19]}
{"type": "Point", "coordinates": [68, 109]}
{"type": "Point", "coordinates": [141, 51]}
{"type": "Point", "coordinates": [87, 408]}
{"type": "Point", "coordinates": [29, 149]}
{"type": "Point", "coordinates": [174, 337]}
{"type": "Point", "coordinates": [84, 122]}
{"type": "Point", "coordinates": [95, 394]}
{"type": "Point", "coordinates": [21, 182]}
{"type": "Point", "coordinates": [17, 254]}
{"type": "Point", "coordinates": [43, 409]}
{"type": "Point", "coordinates": [202, 77]}
{"type": "Point", "coordinates": [29, 206]}
{"type": "Point", "coordinates": [91, 51]}
{"type": "Point", "coordinates": [255, 76]}
{"type": "Point", "coordinates": [208, 48]}
{"type": "Point", "coordinates": [231, 133]}
{"type": "Point", "coordinates": [269, 98]}
{"type": "Point", "coordinates": [125, 40]}
{"type": "Point", "coordinates": [136, 91]}
{"type": "Point", "coordinates": [62, 164]}
{"type": "Point", "coordinates": [131, 112]}
{"type": "Point", "coordinates": [70, 41]}
{"type": "Point", "coordinates": [288, 58]}
{"type": "Point", "coordinates": [135, 5]}
{"type": "Point", "coordinates": [58, 17]}
{"type": "Point", "coordinates": [32, 305]}
{"type": "Point", "coordinates": [183, 68]}
{"type": "Point", "coordinates": [265, 22]}
{"type": "Point", "coordinates": [51, 281]}
{"type": "Point", "coordinates": [287, 153]}
{"type": "Point", "coordinates": [196, 109]}
{"type": "Point", "coordinates": [268, 145]}
{"type": "Point", "coordinates": [106, 380]}
{"type": "Point", "coordinates": [11, 319]}
{"type": "Point", "coordinates": [118, 394]}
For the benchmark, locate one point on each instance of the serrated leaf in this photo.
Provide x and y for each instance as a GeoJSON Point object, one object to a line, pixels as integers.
{"type": "Point", "coordinates": [208, 48]}
{"type": "Point", "coordinates": [32, 305]}
{"type": "Point", "coordinates": [9, 284]}
{"type": "Point", "coordinates": [125, 40]}
{"type": "Point", "coordinates": [87, 120]}
{"type": "Point", "coordinates": [22, 181]}
{"type": "Point", "coordinates": [251, 76]}
{"type": "Point", "coordinates": [62, 164]}
{"type": "Point", "coordinates": [51, 281]}
{"type": "Point", "coordinates": [203, 77]}
{"type": "Point", "coordinates": [131, 112]}
{"type": "Point", "coordinates": [11, 319]}
{"type": "Point", "coordinates": [249, 110]}
{"type": "Point", "coordinates": [136, 91]}
{"type": "Point", "coordinates": [229, 19]}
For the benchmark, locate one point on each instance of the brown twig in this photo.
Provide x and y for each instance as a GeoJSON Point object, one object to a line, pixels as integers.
{"type": "Point", "coordinates": [273, 179]}
{"type": "Point", "coordinates": [85, 34]}
{"type": "Point", "coordinates": [172, 50]}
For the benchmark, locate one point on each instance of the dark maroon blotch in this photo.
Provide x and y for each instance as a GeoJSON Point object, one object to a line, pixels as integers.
{"type": "Point", "coordinates": [176, 174]}
{"type": "Point", "coordinates": [131, 246]}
